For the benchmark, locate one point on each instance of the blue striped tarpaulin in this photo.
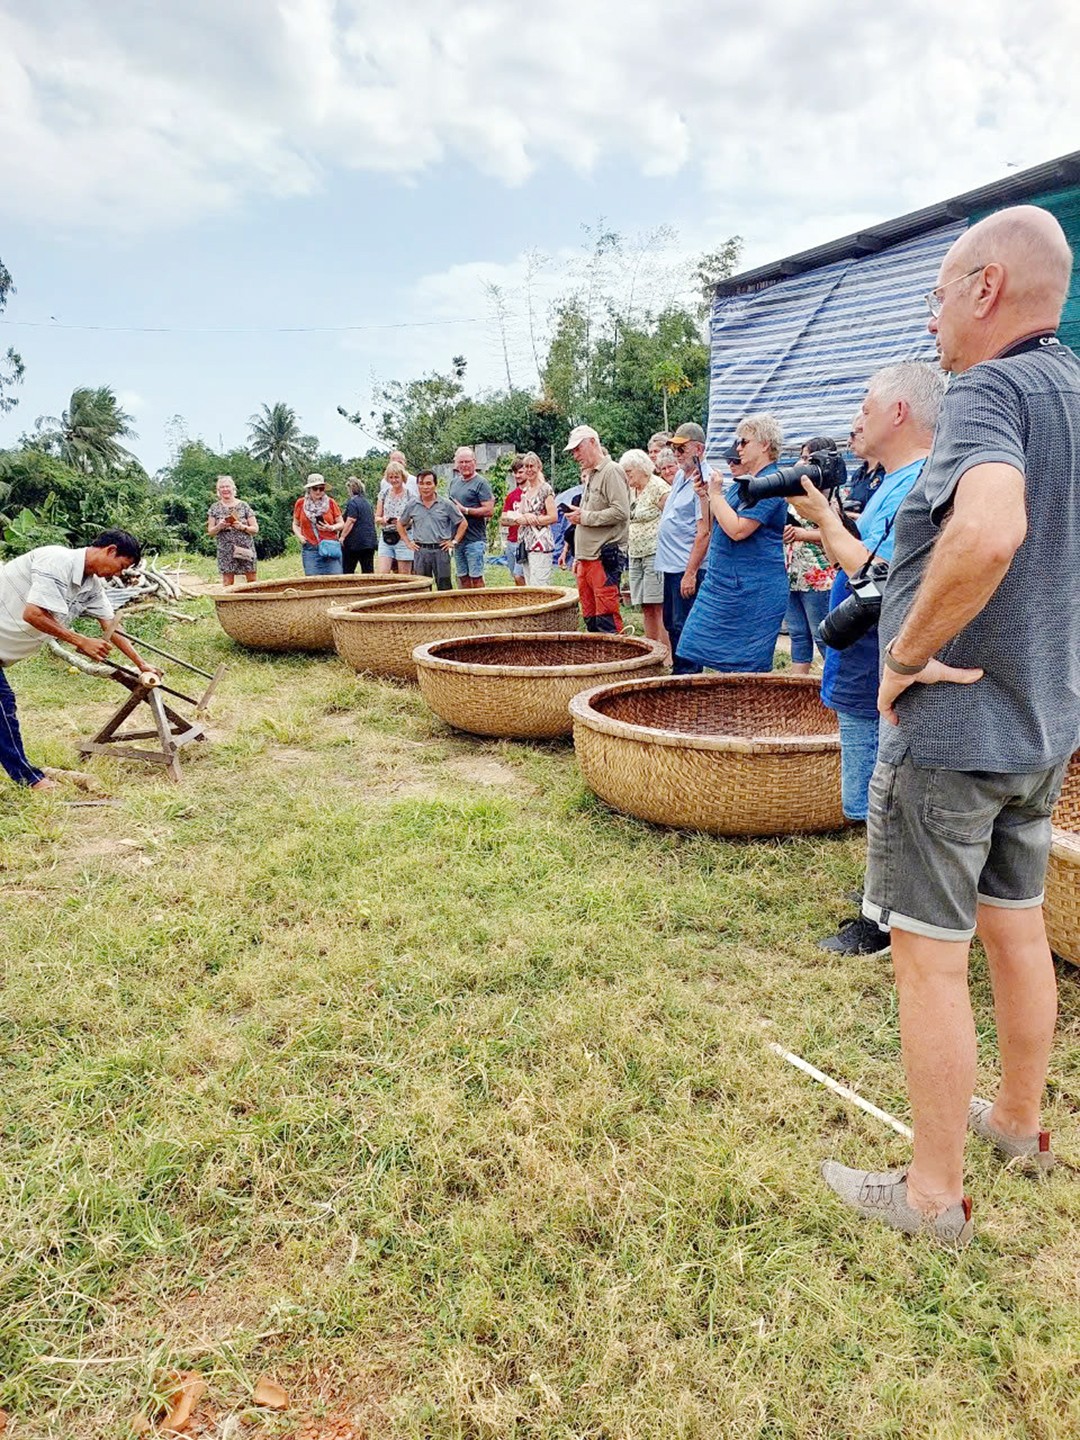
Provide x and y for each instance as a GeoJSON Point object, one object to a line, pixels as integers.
{"type": "Point", "coordinates": [803, 348]}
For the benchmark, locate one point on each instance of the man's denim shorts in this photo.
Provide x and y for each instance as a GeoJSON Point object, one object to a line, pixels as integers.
{"type": "Point", "coordinates": [942, 842]}
{"type": "Point", "coordinates": [470, 556]}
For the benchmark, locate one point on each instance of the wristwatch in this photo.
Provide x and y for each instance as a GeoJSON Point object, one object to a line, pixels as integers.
{"type": "Point", "coordinates": [897, 666]}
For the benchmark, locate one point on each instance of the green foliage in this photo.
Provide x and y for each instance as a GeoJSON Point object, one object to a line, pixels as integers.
{"type": "Point", "coordinates": [26, 531]}
{"type": "Point", "coordinates": [625, 354]}
{"type": "Point", "coordinates": [69, 507]}
{"type": "Point", "coordinates": [714, 266]}
{"type": "Point", "coordinates": [498, 477]}
{"type": "Point", "coordinates": [87, 435]}
{"type": "Point", "coordinates": [415, 416]}
{"type": "Point", "coordinates": [11, 365]}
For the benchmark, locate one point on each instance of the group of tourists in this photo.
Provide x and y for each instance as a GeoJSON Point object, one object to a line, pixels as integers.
{"type": "Point", "coordinates": [971, 498]}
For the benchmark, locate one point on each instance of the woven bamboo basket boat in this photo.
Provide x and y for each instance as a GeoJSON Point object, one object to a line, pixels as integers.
{"type": "Point", "coordinates": [379, 636]}
{"type": "Point", "coordinates": [727, 754]}
{"type": "Point", "coordinates": [292, 614]}
{"type": "Point", "coordinates": [1062, 908]}
{"type": "Point", "coordinates": [520, 686]}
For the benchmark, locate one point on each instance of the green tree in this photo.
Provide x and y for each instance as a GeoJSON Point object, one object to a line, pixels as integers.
{"type": "Point", "coordinates": [276, 441]}
{"type": "Point", "coordinates": [87, 435]}
{"type": "Point", "coordinates": [714, 266]}
{"type": "Point", "coordinates": [414, 415]}
{"type": "Point", "coordinates": [670, 379]}
{"type": "Point", "coordinates": [11, 365]}
{"type": "Point", "coordinates": [73, 506]}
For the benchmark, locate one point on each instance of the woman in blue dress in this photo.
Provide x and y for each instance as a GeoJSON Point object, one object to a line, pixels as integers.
{"type": "Point", "coordinates": [736, 618]}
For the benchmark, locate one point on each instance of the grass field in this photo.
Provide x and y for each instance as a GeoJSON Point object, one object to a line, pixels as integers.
{"type": "Point", "coordinates": [389, 1063]}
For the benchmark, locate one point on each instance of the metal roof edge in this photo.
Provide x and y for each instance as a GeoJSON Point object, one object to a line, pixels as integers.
{"type": "Point", "coordinates": [1014, 189]}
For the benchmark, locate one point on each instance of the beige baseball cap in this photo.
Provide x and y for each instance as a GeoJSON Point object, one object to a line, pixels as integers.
{"type": "Point", "coordinates": [580, 433]}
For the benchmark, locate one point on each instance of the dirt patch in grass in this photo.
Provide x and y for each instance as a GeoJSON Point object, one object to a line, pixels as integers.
{"type": "Point", "coordinates": [482, 770]}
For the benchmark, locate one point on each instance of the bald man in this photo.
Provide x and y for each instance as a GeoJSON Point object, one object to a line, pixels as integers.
{"type": "Point", "coordinates": [981, 701]}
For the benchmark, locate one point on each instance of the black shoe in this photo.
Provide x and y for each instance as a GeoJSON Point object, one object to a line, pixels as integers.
{"type": "Point", "coordinates": [857, 936]}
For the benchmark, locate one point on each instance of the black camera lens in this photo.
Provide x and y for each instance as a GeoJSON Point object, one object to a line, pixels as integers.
{"type": "Point", "coordinates": [825, 469]}
{"type": "Point", "coordinates": [859, 612]}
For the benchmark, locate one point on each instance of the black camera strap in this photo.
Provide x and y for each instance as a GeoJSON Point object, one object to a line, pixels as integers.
{"type": "Point", "coordinates": [1043, 340]}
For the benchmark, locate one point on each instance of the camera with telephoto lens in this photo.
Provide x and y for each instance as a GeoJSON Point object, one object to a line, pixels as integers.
{"type": "Point", "coordinates": [825, 469]}
{"type": "Point", "coordinates": [860, 611]}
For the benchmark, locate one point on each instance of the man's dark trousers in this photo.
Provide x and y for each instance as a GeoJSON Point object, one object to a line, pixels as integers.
{"type": "Point", "coordinates": [434, 560]}
{"type": "Point", "coordinates": [12, 755]}
{"type": "Point", "coordinates": [676, 609]}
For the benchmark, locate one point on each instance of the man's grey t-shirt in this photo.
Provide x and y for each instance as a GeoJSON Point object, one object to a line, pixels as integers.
{"type": "Point", "coordinates": [428, 525]}
{"type": "Point", "coordinates": [1024, 714]}
{"type": "Point", "coordinates": [470, 494]}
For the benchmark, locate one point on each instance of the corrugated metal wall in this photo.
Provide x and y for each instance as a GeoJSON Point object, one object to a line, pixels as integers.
{"type": "Point", "coordinates": [804, 348]}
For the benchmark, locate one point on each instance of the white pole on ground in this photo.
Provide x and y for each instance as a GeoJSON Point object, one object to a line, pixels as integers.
{"type": "Point", "coordinates": [837, 1088]}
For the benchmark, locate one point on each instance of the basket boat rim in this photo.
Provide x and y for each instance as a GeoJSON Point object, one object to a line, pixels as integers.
{"type": "Point", "coordinates": [232, 594]}
{"type": "Point", "coordinates": [381, 608]}
{"type": "Point", "coordinates": [583, 711]}
{"type": "Point", "coordinates": [653, 653]}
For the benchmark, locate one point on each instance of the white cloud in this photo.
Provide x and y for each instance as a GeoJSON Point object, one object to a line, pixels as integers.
{"type": "Point", "coordinates": [117, 113]}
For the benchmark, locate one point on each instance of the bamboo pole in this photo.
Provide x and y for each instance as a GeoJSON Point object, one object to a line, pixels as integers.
{"type": "Point", "coordinates": [844, 1091]}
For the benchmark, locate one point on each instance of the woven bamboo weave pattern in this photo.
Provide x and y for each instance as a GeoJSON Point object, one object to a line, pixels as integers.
{"type": "Point", "coordinates": [727, 754]}
{"type": "Point", "coordinates": [520, 686]}
{"type": "Point", "coordinates": [293, 614]}
{"type": "Point", "coordinates": [1063, 872]}
{"type": "Point", "coordinates": [379, 636]}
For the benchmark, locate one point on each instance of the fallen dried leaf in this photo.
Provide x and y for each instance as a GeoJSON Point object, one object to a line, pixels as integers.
{"type": "Point", "coordinates": [3, 1420]}
{"type": "Point", "coordinates": [269, 1393]}
{"type": "Point", "coordinates": [139, 1425]}
{"type": "Point", "coordinates": [190, 1388]}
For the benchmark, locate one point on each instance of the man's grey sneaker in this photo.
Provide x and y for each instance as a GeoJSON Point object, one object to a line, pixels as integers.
{"type": "Point", "coordinates": [884, 1197]}
{"type": "Point", "coordinates": [1026, 1152]}
{"type": "Point", "coordinates": [857, 936]}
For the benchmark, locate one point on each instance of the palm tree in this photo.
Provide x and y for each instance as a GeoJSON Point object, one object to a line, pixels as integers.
{"type": "Point", "coordinates": [274, 438]}
{"type": "Point", "coordinates": [87, 435]}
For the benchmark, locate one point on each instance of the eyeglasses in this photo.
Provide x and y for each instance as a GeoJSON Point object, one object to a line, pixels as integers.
{"type": "Point", "coordinates": [934, 298]}
{"type": "Point", "coordinates": [744, 440]}
{"type": "Point", "coordinates": [677, 445]}
{"type": "Point", "coordinates": [314, 489]}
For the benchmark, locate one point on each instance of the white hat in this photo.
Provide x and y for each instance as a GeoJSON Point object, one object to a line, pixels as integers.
{"type": "Point", "coordinates": [314, 480]}
{"type": "Point", "coordinates": [580, 433]}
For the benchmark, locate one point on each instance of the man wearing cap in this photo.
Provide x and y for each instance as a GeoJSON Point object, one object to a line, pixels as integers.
{"type": "Point", "coordinates": [683, 539]}
{"type": "Point", "coordinates": [602, 519]}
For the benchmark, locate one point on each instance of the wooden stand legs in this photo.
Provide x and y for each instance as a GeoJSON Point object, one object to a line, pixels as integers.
{"type": "Point", "coordinates": [171, 729]}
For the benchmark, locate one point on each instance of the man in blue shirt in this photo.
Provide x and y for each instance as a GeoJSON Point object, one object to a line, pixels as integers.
{"type": "Point", "coordinates": [682, 541]}
{"type": "Point", "coordinates": [897, 427]}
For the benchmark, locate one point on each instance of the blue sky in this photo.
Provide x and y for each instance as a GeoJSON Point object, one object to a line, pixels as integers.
{"type": "Point", "coordinates": [326, 163]}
